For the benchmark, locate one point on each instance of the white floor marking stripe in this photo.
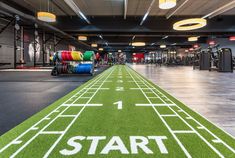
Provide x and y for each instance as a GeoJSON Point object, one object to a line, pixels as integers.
{"type": "Point", "coordinates": [82, 104]}
{"type": "Point", "coordinates": [216, 141]}
{"type": "Point", "coordinates": [100, 89]}
{"type": "Point", "coordinates": [67, 116]}
{"type": "Point", "coordinates": [154, 105]}
{"type": "Point", "coordinates": [52, 132]}
{"type": "Point", "coordinates": [139, 88]}
{"type": "Point", "coordinates": [200, 127]}
{"type": "Point", "coordinates": [170, 115]}
{"type": "Point", "coordinates": [167, 126]}
{"type": "Point", "coordinates": [17, 142]}
{"type": "Point", "coordinates": [183, 131]}
{"type": "Point", "coordinates": [34, 128]}
{"type": "Point", "coordinates": [88, 84]}
{"type": "Point", "coordinates": [210, 145]}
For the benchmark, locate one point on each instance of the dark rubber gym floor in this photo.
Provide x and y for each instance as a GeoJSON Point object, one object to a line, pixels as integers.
{"type": "Point", "coordinates": [22, 94]}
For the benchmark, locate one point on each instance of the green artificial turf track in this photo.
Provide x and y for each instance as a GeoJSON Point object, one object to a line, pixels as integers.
{"type": "Point", "coordinates": [117, 114]}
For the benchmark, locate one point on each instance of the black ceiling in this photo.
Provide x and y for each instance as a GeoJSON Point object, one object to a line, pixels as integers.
{"type": "Point", "coordinates": [118, 32]}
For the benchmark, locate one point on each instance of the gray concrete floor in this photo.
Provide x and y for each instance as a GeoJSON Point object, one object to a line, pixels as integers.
{"type": "Point", "coordinates": [211, 94]}
{"type": "Point", "coordinates": [22, 94]}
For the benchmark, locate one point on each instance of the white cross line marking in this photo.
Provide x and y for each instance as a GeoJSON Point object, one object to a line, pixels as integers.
{"type": "Point", "coordinates": [155, 105]}
{"type": "Point", "coordinates": [51, 132]}
{"type": "Point", "coordinates": [106, 81]}
{"type": "Point", "coordinates": [216, 141]}
{"type": "Point", "coordinates": [67, 116]}
{"type": "Point", "coordinates": [100, 88]}
{"type": "Point", "coordinates": [139, 88]}
{"type": "Point", "coordinates": [183, 131]}
{"type": "Point", "coordinates": [17, 142]}
{"type": "Point", "coordinates": [169, 115]}
{"type": "Point", "coordinates": [189, 118]}
{"type": "Point", "coordinates": [82, 104]}
{"type": "Point", "coordinates": [57, 111]}
{"type": "Point", "coordinates": [34, 128]}
{"type": "Point", "coordinates": [29, 141]}
{"type": "Point", "coordinates": [207, 142]}
{"type": "Point", "coordinates": [200, 127]}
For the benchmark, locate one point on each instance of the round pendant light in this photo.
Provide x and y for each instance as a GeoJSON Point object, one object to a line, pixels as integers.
{"type": "Point", "coordinates": [167, 4]}
{"type": "Point", "coordinates": [82, 38]}
{"type": "Point", "coordinates": [94, 45]}
{"type": "Point", "coordinates": [46, 16]}
{"type": "Point", "coordinates": [193, 39]}
{"type": "Point", "coordinates": [138, 44]}
{"type": "Point", "coordinates": [163, 46]}
{"type": "Point", "coordinates": [190, 24]}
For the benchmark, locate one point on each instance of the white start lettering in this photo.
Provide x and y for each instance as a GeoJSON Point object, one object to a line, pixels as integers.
{"type": "Point", "coordinates": [115, 143]}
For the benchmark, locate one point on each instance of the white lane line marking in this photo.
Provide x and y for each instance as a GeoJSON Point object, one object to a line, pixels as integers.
{"type": "Point", "coordinates": [47, 118]}
{"type": "Point", "coordinates": [155, 105]}
{"type": "Point", "coordinates": [82, 104]}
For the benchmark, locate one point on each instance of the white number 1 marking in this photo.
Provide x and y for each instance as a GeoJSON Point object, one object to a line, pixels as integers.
{"type": "Point", "coordinates": [119, 104]}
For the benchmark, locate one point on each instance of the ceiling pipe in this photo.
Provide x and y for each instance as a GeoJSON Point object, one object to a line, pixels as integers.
{"type": "Point", "coordinates": [177, 9]}
{"type": "Point", "coordinates": [147, 13]}
{"type": "Point", "coordinates": [33, 19]}
{"type": "Point", "coordinates": [125, 8]}
{"type": "Point", "coordinates": [221, 10]}
{"type": "Point", "coordinates": [76, 10]}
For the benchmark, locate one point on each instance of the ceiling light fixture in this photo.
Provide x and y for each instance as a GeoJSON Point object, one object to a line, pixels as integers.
{"type": "Point", "coordinates": [190, 24]}
{"type": "Point", "coordinates": [163, 46]}
{"type": "Point", "coordinates": [119, 51]}
{"type": "Point", "coordinates": [46, 16]}
{"type": "Point", "coordinates": [167, 4]}
{"type": "Point", "coordinates": [94, 45]}
{"type": "Point", "coordinates": [82, 38]}
{"type": "Point", "coordinates": [101, 49]}
{"type": "Point", "coordinates": [193, 39]}
{"type": "Point", "coordinates": [138, 44]}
